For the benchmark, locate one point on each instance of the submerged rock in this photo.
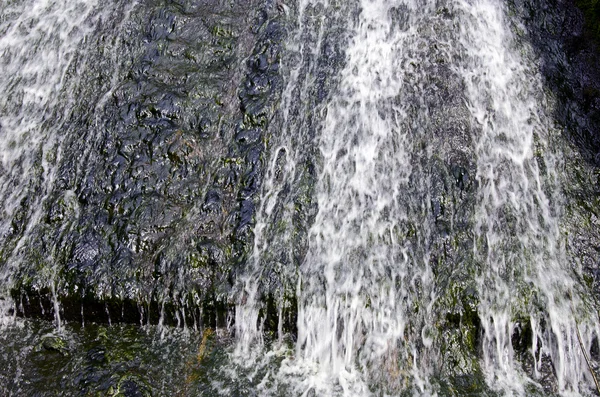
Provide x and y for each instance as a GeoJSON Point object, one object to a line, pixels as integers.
{"type": "Point", "coordinates": [53, 343]}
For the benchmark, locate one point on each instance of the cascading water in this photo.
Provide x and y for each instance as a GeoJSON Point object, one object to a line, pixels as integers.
{"type": "Point", "coordinates": [369, 289]}
{"type": "Point", "coordinates": [524, 268]}
{"type": "Point", "coordinates": [328, 197]}
{"type": "Point", "coordinates": [36, 58]}
{"type": "Point", "coordinates": [44, 59]}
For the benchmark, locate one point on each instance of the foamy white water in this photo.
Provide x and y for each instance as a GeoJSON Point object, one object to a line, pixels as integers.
{"type": "Point", "coordinates": [356, 286]}
{"type": "Point", "coordinates": [358, 332]}
{"type": "Point", "coordinates": [524, 267]}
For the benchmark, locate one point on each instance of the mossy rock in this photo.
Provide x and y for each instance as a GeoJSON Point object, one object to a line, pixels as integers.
{"type": "Point", "coordinates": [53, 343]}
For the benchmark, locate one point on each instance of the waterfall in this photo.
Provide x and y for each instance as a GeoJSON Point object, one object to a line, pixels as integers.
{"type": "Point", "coordinates": [39, 40]}
{"type": "Point", "coordinates": [415, 85]}
{"type": "Point", "coordinates": [518, 237]}
{"type": "Point", "coordinates": [295, 198]}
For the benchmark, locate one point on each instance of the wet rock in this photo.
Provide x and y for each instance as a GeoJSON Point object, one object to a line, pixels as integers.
{"type": "Point", "coordinates": [565, 38]}
{"type": "Point", "coordinates": [53, 343]}
{"type": "Point", "coordinates": [97, 355]}
{"type": "Point", "coordinates": [130, 386]}
{"type": "Point", "coordinates": [158, 193]}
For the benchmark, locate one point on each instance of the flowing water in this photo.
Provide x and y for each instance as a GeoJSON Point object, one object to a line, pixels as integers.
{"type": "Point", "coordinates": [45, 48]}
{"type": "Point", "coordinates": [39, 41]}
{"type": "Point", "coordinates": [368, 287]}
{"type": "Point", "coordinates": [410, 234]}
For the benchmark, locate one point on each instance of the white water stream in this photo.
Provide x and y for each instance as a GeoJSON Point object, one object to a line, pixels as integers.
{"type": "Point", "coordinates": [365, 291]}
{"type": "Point", "coordinates": [44, 48]}
{"type": "Point", "coordinates": [518, 243]}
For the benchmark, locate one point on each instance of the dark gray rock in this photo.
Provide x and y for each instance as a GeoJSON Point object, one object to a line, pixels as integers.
{"type": "Point", "coordinates": [161, 168]}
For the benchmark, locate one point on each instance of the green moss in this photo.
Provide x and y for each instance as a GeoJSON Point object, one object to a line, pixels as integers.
{"type": "Point", "coordinates": [199, 260]}
{"type": "Point", "coordinates": [254, 121]}
{"type": "Point", "coordinates": [221, 31]}
{"type": "Point", "coordinates": [232, 161]}
{"type": "Point", "coordinates": [53, 343]}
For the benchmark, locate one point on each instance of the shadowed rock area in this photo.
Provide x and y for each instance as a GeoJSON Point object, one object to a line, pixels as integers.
{"type": "Point", "coordinates": [564, 35]}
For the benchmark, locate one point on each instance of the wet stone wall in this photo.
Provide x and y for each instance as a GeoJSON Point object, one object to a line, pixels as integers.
{"type": "Point", "coordinates": [150, 214]}
{"type": "Point", "coordinates": [152, 208]}
{"type": "Point", "coordinates": [564, 35]}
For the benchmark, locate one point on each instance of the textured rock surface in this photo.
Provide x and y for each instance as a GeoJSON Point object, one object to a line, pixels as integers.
{"type": "Point", "coordinates": [152, 212]}
{"type": "Point", "coordinates": [154, 200]}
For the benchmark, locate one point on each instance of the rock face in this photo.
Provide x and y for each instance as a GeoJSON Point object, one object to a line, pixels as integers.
{"type": "Point", "coordinates": [153, 203]}
{"type": "Point", "coordinates": [566, 39]}
{"type": "Point", "coordinates": [149, 214]}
